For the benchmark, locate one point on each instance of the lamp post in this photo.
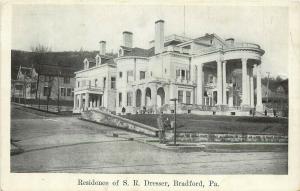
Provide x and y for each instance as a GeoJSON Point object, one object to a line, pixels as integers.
{"type": "Point", "coordinates": [174, 99]}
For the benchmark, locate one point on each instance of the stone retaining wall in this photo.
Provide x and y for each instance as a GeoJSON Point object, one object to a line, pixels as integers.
{"type": "Point", "coordinates": [233, 138]}
{"type": "Point", "coordinates": [117, 121]}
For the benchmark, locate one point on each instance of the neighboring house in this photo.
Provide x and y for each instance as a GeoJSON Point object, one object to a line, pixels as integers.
{"type": "Point", "coordinates": [24, 86]}
{"type": "Point", "coordinates": [277, 98]}
{"type": "Point", "coordinates": [56, 82]}
{"type": "Point", "coordinates": [206, 71]}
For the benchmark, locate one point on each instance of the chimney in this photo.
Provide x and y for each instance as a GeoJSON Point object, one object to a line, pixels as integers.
{"type": "Point", "coordinates": [127, 39]}
{"type": "Point", "coordinates": [102, 50]}
{"type": "Point", "coordinates": [159, 36]}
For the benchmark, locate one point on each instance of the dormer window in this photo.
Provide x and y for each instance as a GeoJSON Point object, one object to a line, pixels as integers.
{"type": "Point", "coordinates": [98, 60]}
{"type": "Point", "coordinates": [86, 64]}
{"type": "Point", "coordinates": [121, 52]}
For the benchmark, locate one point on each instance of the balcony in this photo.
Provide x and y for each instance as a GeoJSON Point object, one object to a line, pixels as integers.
{"type": "Point", "coordinates": [244, 45]}
{"type": "Point", "coordinates": [177, 49]}
{"type": "Point", "coordinates": [228, 47]}
{"type": "Point", "coordinates": [210, 85]}
{"type": "Point", "coordinates": [90, 89]}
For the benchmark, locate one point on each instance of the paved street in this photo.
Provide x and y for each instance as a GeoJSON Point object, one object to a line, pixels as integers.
{"type": "Point", "coordinates": [66, 144]}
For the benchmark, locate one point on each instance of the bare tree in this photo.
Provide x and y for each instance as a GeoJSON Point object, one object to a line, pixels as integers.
{"type": "Point", "coordinates": [50, 85]}
{"type": "Point", "coordinates": [39, 57]}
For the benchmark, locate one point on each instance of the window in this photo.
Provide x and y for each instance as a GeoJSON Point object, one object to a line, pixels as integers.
{"type": "Point", "coordinates": [180, 96]}
{"type": "Point", "coordinates": [63, 91]}
{"type": "Point", "coordinates": [113, 83]}
{"type": "Point", "coordinates": [104, 82]}
{"type": "Point", "coordinates": [120, 99]}
{"type": "Point", "coordinates": [188, 97]}
{"type": "Point", "coordinates": [129, 98]}
{"type": "Point", "coordinates": [98, 61]}
{"type": "Point", "coordinates": [205, 94]}
{"type": "Point", "coordinates": [32, 87]}
{"type": "Point", "coordinates": [211, 79]}
{"type": "Point", "coordinates": [90, 83]}
{"type": "Point", "coordinates": [66, 80]}
{"type": "Point", "coordinates": [46, 91]}
{"type": "Point", "coordinates": [183, 74]}
{"type": "Point", "coordinates": [69, 91]}
{"type": "Point", "coordinates": [78, 84]}
{"type": "Point", "coordinates": [120, 52]}
{"type": "Point", "coordinates": [96, 82]}
{"type": "Point", "coordinates": [72, 92]}
{"type": "Point", "coordinates": [130, 76]}
{"type": "Point", "coordinates": [120, 74]}
{"type": "Point", "coordinates": [19, 87]}
{"type": "Point", "coordinates": [142, 75]}
{"type": "Point", "coordinates": [48, 78]}
{"type": "Point", "coordinates": [165, 70]}
{"type": "Point", "coordinates": [177, 74]}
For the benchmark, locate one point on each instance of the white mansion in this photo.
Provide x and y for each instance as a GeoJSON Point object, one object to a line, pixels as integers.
{"type": "Point", "coordinates": [205, 74]}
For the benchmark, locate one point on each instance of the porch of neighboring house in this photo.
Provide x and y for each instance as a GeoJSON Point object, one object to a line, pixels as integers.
{"type": "Point", "coordinates": [87, 100]}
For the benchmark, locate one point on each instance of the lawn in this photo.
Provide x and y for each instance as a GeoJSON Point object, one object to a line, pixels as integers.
{"type": "Point", "coordinates": [220, 124]}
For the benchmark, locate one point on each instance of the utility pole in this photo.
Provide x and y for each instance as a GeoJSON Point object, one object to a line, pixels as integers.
{"type": "Point", "coordinates": [58, 75]}
{"type": "Point", "coordinates": [184, 20]}
{"type": "Point", "coordinates": [268, 87]}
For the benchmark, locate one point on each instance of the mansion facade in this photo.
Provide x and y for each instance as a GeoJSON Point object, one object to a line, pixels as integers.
{"type": "Point", "coordinates": [205, 74]}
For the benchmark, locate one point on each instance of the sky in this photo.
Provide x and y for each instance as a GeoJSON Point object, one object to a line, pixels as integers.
{"type": "Point", "coordinates": [75, 27]}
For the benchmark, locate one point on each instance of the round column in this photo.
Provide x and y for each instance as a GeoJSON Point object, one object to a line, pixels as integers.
{"type": "Point", "coordinates": [219, 82]}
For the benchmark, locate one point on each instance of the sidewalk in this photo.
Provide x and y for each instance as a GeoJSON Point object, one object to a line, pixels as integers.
{"type": "Point", "coordinates": [204, 146]}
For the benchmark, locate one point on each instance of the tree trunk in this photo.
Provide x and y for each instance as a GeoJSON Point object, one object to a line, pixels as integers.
{"type": "Point", "coordinates": [47, 102]}
{"type": "Point", "coordinates": [39, 100]}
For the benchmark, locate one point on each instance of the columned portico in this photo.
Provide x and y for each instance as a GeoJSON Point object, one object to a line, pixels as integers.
{"type": "Point", "coordinates": [251, 88]}
{"type": "Point", "coordinates": [219, 82]}
{"type": "Point", "coordinates": [80, 102]}
{"type": "Point", "coordinates": [259, 106]}
{"type": "Point", "coordinates": [244, 83]}
{"type": "Point", "coordinates": [224, 84]}
{"type": "Point", "coordinates": [86, 104]}
{"type": "Point", "coordinates": [199, 84]}
{"type": "Point", "coordinates": [75, 102]}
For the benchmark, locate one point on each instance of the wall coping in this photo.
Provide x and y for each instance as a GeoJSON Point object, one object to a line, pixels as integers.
{"type": "Point", "coordinates": [127, 120]}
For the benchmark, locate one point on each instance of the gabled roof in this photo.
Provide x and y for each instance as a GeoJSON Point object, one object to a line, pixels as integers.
{"type": "Point", "coordinates": [139, 52]}
{"type": "Point", "coordinates": [91, 60]}
{"type": "Point", "coordinates": [105, 59]}
{"type": "Point", "coordinates": [26, 71]}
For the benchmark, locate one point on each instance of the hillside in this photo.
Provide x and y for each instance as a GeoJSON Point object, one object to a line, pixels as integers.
{"type": "Point", "coordinates": [66, 62]}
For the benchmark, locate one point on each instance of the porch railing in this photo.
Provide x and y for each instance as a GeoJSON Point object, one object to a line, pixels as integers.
{"type": "Point", "coordinates": [90, 88]}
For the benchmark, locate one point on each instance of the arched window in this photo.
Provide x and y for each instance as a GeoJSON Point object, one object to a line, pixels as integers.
{"type": "Point", "coordinates": [96, 82]}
